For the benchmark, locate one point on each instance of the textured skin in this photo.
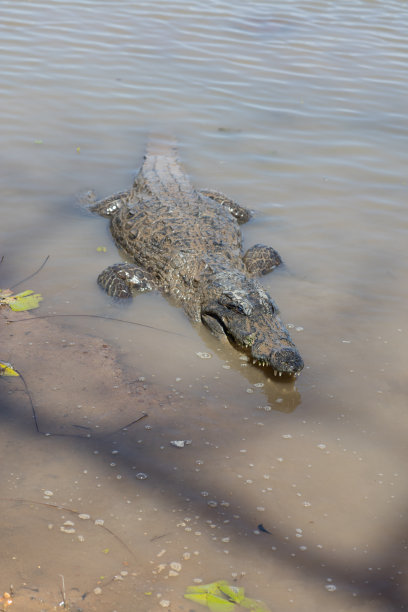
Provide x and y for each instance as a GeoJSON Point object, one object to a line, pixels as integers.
{"type": "Point", "coordinates": [188, 245]}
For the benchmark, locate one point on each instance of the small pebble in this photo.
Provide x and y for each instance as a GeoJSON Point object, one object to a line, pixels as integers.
{"type": "Point", "coordinates": [175, 566]}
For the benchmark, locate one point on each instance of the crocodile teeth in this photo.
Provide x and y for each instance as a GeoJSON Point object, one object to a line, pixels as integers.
{"type": "Point", "coordinates": [275, 372]}
{"type": "Point", "coordinates": [280, 373]}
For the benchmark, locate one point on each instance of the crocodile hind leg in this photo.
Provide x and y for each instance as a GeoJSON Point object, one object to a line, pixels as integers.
{"type": "Point", "coordinates": [241, 213]}
{"type": "Point", "coordinates": [261, 259]}
{"type": "Point", "coordinates": [122, 279]}
{"type": "Point", "coordinates": [108, 206]}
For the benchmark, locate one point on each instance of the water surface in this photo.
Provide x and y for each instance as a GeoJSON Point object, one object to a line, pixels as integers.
{"type": "Point", "coordinates": [298, 111]}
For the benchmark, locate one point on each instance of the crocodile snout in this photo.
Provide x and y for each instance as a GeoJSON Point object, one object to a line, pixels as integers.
{"type": "Point", "coordinates": [286, 360]}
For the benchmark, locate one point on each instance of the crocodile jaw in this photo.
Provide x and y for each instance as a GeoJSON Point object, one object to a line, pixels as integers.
{"type": "Point", "coordinates": [262, 334]}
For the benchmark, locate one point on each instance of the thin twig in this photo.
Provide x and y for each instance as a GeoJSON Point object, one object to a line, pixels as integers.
{"type": "Point", "coordinates": [51, 316]}
{"type": "Point", "coordinates": [31, 275]}
{"type": "Point", "coordinates": [68, 435]}
{"type": "Point", "coordinates": [30, 398]}
{"type": "Point", "coordinates": [66, 509]}
{"type": "Point", "coordinates": [132, 423]}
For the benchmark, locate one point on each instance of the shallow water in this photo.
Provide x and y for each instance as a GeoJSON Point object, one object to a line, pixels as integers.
{"type": "Point", "coordinates": [298, 111]}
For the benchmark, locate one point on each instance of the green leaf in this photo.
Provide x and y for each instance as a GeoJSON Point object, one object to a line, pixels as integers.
{"type": "Point", "coordinates": [218, 604]}
{"type": "Point", "coordinates": [221, 597]}
{"type": "Point", "coordinates": [254, 605]}
{"type": "Point", "coordinates": [27, 300]}
{"type": "Point", "coordinates": [6, 369]}
{"type": "Point", "coordinates": [213, 602]}
{"type": "Point", "coordinates": [212, 587]}
{"type": "Point", "coordinates": [235, 593]}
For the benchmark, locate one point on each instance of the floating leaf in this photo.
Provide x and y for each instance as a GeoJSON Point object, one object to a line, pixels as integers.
{"type": "Point", "coordinates": [221, 597]}
{"type": "Point", "coordinates": [254, 605]}
{"type": "Point", "coordinates": [27, 300]}
{"type": "Point", "coordinates": [6, 369]}
{"type": "Point", "coordinates": [213, 602]}
{"type": "Point", "coordinates": [101, 249]}
{"type": "Point", "coordinates": [212, 587]}
{"type": "Point", "coordinates": [236, 594]}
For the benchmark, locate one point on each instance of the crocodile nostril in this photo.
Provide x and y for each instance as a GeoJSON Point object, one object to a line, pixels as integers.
{"type": "Point", "coordinates": [286, 360]}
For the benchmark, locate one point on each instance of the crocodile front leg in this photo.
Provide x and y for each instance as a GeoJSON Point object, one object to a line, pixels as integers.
{"type": "Point", "coordinates": [241, 214]}
{"type": "Point", "coordinates": [122, 279]}
{"type": "Point", "coordinates": [261, 259]}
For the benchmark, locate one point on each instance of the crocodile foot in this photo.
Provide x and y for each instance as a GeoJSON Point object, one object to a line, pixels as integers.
{"type": "Point", "coordinates": [121, 280]}
{"type": "Point", "coordinates": [261, 259]}
{"type": "Point", "coordinates": [241, 214]}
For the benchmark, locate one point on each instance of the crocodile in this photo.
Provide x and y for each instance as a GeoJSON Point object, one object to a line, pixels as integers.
{"type": "Point", "coordinates": [187, 244]}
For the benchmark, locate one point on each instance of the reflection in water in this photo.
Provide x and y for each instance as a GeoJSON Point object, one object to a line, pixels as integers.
{"type": "Point", "coordinates": [280, 393]}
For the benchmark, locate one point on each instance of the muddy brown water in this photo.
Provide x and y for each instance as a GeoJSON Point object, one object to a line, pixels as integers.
{"type": "Point", "coordinates": [297, 492]}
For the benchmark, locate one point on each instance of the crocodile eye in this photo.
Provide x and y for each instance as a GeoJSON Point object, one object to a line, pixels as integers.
{"type": "Point", "coordinates": [236, 302]}
{"type": "Point", "coordinates": [242, 307]}
{"type": "Point", "coordinates": [273, 307]}
{"type": "Point", "coordinates": [236, 307]}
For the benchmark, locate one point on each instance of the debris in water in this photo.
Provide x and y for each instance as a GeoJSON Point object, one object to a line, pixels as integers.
{"type": "Point", "coordinates": [221, 597]}
{"type": "Point", "coordinates": [6, 600]}
{"type": "Point", "coordinates": [6, 369]}
{"type": "Point", "coordinates": [180, 443]}
{"type": "Point", "coordinates": [141, 476]}
{"type": "Point", "coordinates": [175, 566]}
{"type": "Point", "coordinates": [26, 300]}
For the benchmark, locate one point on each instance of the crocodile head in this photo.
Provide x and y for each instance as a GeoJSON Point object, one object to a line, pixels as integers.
{"type": "Point", "coordinates": [249, 317]}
